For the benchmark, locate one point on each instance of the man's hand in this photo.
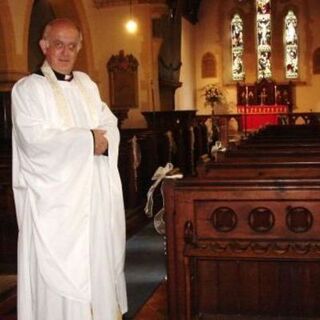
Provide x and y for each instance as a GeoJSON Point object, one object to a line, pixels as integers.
{"type": "Point", "coordinates": [100, 141]}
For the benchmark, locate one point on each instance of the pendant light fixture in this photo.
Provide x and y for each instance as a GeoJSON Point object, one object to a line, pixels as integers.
{"type": "Point", "coordinates": [131, 24]}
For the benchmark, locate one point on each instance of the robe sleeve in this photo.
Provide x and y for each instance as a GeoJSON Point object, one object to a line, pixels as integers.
{"type": "Point", "coordinates": [108, 122]}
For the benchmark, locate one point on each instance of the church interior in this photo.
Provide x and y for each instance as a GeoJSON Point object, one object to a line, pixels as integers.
{"type": "Point", "coordinates": [223, 93]}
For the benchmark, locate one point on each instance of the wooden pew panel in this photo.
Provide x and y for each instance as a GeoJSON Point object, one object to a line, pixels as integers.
{"type": "Point", "coordinates": [243, 248]}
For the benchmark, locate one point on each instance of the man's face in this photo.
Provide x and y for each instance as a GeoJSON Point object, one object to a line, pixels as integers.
{"type": "Point", "coordinates": [61, 47]}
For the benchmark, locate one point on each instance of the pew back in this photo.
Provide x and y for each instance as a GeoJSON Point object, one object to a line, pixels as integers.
{"type": "Point", "coordinates": [259, 170]}
{"type": "Point", "coordinates": [243, 247]}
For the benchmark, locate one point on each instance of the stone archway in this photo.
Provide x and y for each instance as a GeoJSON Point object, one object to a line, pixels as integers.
{"type": "Point", "coordinates": [41, 14]}
{"type": "Point", "coordinates": [45, 10]}
{"type": "Point", "coordinates": [74, 9]}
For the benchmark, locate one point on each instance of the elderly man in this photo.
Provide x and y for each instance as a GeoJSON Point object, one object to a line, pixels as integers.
{"type": "Point", "coordinates": [67, 190]}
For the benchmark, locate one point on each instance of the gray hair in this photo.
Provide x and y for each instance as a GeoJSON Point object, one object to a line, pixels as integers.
{"type": "Point", "coordinates": [54, 22]}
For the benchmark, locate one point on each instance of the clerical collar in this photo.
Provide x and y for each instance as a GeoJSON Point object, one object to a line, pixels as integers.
{"type": "Point", "coordinates": [59, 76]}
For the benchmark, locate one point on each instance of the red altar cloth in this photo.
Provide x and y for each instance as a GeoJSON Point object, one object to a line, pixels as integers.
{"type": "Point", "coordinates": [257, 116]}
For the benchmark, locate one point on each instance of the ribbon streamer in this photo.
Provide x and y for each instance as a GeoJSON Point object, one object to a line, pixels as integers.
{"type": "Point", "coordinates": [158, 176]}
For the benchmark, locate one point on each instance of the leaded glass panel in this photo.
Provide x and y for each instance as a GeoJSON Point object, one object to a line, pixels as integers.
{"type": "Point", "coordinates": [237, 48]}
{"type": "Point", "coordinates": [264, 38]}
{"type": "Point", "coordinates": [291, 45]}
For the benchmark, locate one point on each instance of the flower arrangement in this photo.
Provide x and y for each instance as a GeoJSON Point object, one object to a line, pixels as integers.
{"type": "Point", "coordinates": [212, 94]}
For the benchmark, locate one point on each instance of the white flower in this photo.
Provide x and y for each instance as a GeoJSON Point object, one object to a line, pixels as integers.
{"type": "Point", "coordinates": [212, 94]}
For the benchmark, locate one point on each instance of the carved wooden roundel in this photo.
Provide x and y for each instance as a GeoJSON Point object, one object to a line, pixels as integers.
{"type": "Point", "coordinates": [261, 219]}
{"type": "Point", "coordinates": [299, 219]}
{"type": "Point", "coordinates": [224, 219]}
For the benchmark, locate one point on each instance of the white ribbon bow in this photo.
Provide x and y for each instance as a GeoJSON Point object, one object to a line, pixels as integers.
{"type": "Point", "coordinates": [158, 176]}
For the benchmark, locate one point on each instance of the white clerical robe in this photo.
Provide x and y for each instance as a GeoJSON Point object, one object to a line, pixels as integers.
{"type": "Point", "coordinates": [69, 204]}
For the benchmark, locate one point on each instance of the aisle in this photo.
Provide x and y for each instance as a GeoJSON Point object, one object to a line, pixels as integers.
{"type": "Point", "coordinates": [156, 306]}
{"type": "Point", "coordinates": [145, 267]}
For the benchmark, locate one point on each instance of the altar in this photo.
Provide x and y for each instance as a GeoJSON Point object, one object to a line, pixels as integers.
{"type": "Point", "coordinates": [254, 117]}
{"type": "Point", "coordinates": [263, 103]}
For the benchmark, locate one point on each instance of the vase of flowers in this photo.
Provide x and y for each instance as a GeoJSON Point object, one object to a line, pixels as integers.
{"type": "Point", "coordinates": [213, 95]}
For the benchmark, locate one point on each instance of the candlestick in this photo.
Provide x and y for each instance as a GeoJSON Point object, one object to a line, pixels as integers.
{"type": "Point", "coordinates": [247, 96]}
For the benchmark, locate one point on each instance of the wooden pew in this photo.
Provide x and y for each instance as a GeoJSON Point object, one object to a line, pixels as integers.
{"type": "Point", "coordinates": [243, 247]}
{"type": "Point", "coordinates": [8, 294]}
{"type": "Point", "coordinates": [275, 132]}
{"type": "Point", "coordinates": [277, 148]}
{"type": "Point", "coordinates": [259, 170]}
{"type": "Point", "coordinates": [138, 159]}
{"type": "Point", "coordinates": [290, 146]}
{"type": "Point", "coordinates": [242, 237]}
{"type": "Point", "coordinates": [283, 136]}
{"type": "Point", "coordinates": [293, 154]}
{"type": "Point", "coordinates": [269, 156]}
{"type": "Point", "coordinates": [8, 224]}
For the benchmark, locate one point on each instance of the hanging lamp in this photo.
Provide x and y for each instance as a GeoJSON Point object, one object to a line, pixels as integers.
{"type": "Point", "coordinates": [131, 24]}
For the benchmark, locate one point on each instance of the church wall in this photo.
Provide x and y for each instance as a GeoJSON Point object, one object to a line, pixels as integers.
{"type": "Point", "coordinates": [17, 18]}
{"type": "Point", "coordinates": [109, 36]}
{"type": "Point", "coordinates": [14, 16]}
{"type": "Point", "coordinates": [104, 35]}
{"type": "Point", "coordinates": [5, 46]}
{"type": "Point", "coordinates": [75, 10]}
{"type": "Point", "coordinates": [310, 93]}
{"type": "Point", "coordinates": [207, 39]}
{"type": "Point", "coordinates": [213, 35]}
{"type": "Point", "coordinates": [185, 95]}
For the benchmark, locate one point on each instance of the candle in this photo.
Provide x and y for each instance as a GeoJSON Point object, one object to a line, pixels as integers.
{"type": "Point", "coordinates": [275, 94]}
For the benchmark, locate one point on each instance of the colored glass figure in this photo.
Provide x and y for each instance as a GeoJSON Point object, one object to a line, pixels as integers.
{"type": "Point", "coordinates": [237, 47]}
{"type": "Point", "coordinates": [291, 45]}
{"type": "Point", "coordinates": [264, 38]}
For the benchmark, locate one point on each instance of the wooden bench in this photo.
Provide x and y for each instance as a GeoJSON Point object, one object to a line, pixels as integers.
{"type": "Point", "coordinates": [8, 293]}
{"type": "Point", "coordinates": [304, 149]}
{"type": "Point", "coordinates": [242, 237]}
{"type": "Point", "coordinates": [259, 170]}
{"type": "Point", "coordinates": [269, 155]}
{"type": "Point", "coordinates": [284, 146]}
{"type": "Point", "coordinates": [243, 248]}
{"type": "Point", "coordinates": [8, 224]}
{"type": "Point", "coordinates": [275, 132]}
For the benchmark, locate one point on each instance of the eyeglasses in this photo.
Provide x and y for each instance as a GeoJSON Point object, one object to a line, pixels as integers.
{"type": "Point", "coordinates": [59, 45]}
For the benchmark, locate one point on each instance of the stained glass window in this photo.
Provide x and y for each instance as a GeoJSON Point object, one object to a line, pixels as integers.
{"type": "Point", "coordinates": [291, 45]}
{"type": "Point", "coordinates": [264, 51]}
{"type": "Point", "coordinates": [264, 38]}
{"type": "Point", "coordinates": [237, 48]}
